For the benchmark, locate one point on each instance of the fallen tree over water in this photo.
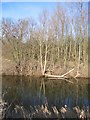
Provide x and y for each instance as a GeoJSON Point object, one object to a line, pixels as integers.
{"type": "Point", "coordinates": [57, 76]}
{"type": "Point", "coordinates": [61, 76]}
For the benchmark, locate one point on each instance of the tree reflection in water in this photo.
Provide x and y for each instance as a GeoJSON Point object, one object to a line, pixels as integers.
{"type": "Point", "coordinates": [31, 91]}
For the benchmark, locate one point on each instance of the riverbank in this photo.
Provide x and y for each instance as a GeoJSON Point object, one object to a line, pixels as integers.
{"type": "Point", "coordinates": [9, 68]}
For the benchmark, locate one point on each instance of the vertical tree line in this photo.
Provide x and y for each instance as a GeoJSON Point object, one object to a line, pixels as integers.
{"type": "Point", "coordinates": [52, 41]}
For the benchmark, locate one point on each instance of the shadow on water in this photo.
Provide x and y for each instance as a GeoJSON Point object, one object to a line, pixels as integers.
{"type": "Point", "coordinates": [32, 91]}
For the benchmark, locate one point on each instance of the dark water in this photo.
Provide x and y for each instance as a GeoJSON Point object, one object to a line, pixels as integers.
{"type": "Point", "coordinates": [33, 91]}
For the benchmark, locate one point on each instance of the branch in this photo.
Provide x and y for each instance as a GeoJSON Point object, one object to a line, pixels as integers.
{"type": "Point", "coordinates": [54, 76]}
{"type": "Point", "coordinates": [67, 72]}
{"type": "Point", "coordinates": [57, 76]}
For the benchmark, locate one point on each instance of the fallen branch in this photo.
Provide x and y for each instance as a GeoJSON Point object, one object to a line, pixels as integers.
{"type": "Point", "coordinates": [54, 76]}
{"type": "Point", "coordinates": [67, 72]}
{"type": "Point", "coordinates": [60, 77]}
{"type": "Point", "coordinates": [57, 76]}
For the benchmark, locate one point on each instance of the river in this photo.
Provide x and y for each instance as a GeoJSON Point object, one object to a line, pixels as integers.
{"type": "Point", "coordinates": [32, 91]}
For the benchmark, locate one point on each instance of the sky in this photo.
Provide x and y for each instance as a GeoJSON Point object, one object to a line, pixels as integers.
{"type": "Point", "coordinates": [18, 10]}
{"type": "Point", "coordinates": [25, 9]}
{"type": "Point", "coordinates": [44, 0]}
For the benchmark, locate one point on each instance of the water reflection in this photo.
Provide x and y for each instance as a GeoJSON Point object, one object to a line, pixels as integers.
{"type": "Point", "coordinates": [37, 91]}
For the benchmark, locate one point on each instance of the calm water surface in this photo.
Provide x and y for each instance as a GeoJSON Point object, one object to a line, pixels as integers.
{"type": "Point", "coordinates": [37, 91]}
